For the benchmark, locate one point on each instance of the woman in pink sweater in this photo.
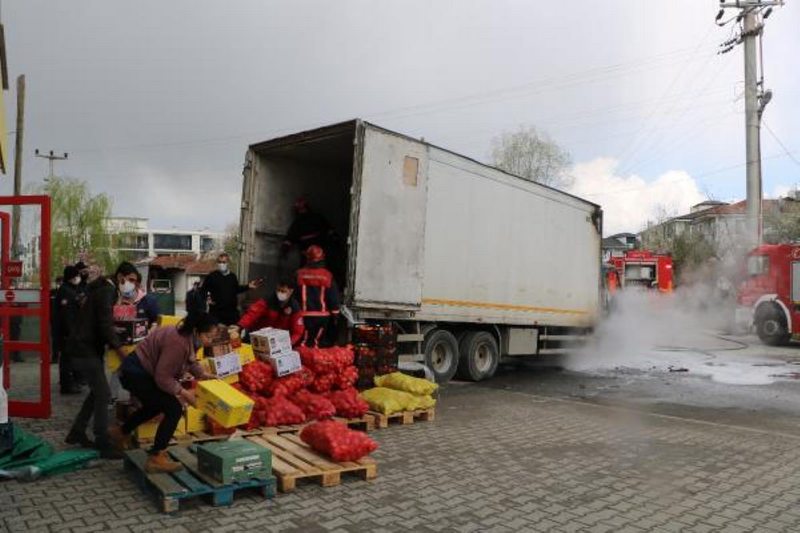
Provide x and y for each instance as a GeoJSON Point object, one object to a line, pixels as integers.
{"type": "Point", "coordinates": [152, 374]}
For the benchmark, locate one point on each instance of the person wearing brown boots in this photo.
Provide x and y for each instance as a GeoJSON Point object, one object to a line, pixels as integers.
{"type": "Point", "coordinates": [152, 375]}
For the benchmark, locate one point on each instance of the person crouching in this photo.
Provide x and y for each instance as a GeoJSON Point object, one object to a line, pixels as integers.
{"type": "Point", "coordinates": [152, 375]}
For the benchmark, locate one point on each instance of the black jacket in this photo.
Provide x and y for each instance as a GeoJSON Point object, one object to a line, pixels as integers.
{"type": "Point", "coordinates": [224, 290]}
{"type": "Point", "coordinates": [65, 304]}
{"type": "Point", "coordinates": [91, 327]}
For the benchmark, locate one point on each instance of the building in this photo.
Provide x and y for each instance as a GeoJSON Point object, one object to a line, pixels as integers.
{"type": "Point", "coordinates": [615, 245]}
{"type": "Point", "coordinates": [169, 260]}
{"type": "Point", "coordinates": [723, 225]}
{"type": "Point", "coordinates": [138, 241]}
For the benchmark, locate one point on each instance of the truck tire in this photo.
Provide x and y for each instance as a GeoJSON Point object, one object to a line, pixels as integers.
{"type": "Point", "coordinates": [441, 354]}
{"type": "Point", "coordinates": [478, 356]}
{"type": "Point", "coordinates": [771, 326]}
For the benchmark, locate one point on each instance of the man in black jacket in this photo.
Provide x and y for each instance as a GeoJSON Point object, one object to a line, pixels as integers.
{"type": "Point", "coordinates": [65, 304]}
{"type": "Point", "coordinates": [89, 330]}
{"type": "Point", "coordinates": [223, 288]}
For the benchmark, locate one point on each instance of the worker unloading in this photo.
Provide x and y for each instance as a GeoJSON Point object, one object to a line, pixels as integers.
{"type": "Point", "coordinates": [319, 297]}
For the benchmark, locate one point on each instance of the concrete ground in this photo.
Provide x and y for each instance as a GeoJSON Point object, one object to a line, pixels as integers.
{"type": "Point", "coordinates": [535, 449]}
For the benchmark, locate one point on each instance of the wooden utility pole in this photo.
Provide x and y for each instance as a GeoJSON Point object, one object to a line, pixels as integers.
{"type": "Point", "coordinates": [18, 163]}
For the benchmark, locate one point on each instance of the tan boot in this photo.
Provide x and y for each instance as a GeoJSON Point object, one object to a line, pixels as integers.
{"type": "Point", "coordinates": [119, 440]}
{"type": "Point", "coordinates": [160, 462]}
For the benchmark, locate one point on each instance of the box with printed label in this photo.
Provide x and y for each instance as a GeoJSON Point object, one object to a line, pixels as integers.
{"type": "Point", "coordinates": [236, 460]}
{"type": "Point", "coordinates": [286, 364]}
{"type": "Point", "coordinates": [225, 365]}
{"type": "Point", "coordinates": [131, 331]}
{"type": "Point", "coordinates": [271, 341]}
{"type": "Point", "coordinates": [223, 404]}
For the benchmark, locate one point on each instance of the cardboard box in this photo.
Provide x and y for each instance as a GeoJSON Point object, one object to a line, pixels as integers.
{"type": "Point", "coordinates": [286, 364]}
{"type": "Point", "coordinates": [217, 349]}
{"type": "Point", "coordinates": [271, 341]}
{"type": "Point", "coordinates": [236, 460]}
{"type": "Point", "coordinates": [148, 429]}
{"type": "Point", "coordinates": [225, 365]}
{"type": "Point", "coordinates": [131, 331]}
{"type": "Point", "coordinates": [113, 361]}
{"type": "Point", "coordinates": [222, 403]}
{"type": "Point", "coordinates": [195, 420]}
{"type": "Point", "coordinates": [246, 354]}
{"type": "Point", "coordinates": [168, 320]}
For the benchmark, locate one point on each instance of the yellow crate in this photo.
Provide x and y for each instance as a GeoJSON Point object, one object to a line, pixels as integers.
{"type": "Point", "coordinates": [148, 429]}
{"type": "Point", "coordinates": [113, 361]}
{"type": "Point", "coordinates": [222, 403]}
{"type": "Point", "coordinates": [246, 354]}
{"type": "Point", "coordinates": [195, 420]}
{"type": "Point", "coordinates": [168, 320]}
{"type": "Point", "coordinates": [230, 380]}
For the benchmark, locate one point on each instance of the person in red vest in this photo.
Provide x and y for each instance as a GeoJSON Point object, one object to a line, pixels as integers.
{"type": "Point", "coordinates": [319, 296]}
{"type": "Point", "coordinates": [277, 310]}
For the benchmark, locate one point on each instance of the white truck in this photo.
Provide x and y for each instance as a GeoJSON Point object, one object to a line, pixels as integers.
{"type": "Point", "coordinates": [473, 264]}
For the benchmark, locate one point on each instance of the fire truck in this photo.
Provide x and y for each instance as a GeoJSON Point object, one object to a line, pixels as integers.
{"type": "Point", "coordinates": [769, 296]}
{"type": "Point", "coordinates": [642, 269]}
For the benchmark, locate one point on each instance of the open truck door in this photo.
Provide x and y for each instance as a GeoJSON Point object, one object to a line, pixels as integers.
{"type": "Point", "coordinates": [25, 305]}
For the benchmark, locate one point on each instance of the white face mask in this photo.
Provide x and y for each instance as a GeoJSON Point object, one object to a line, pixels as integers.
{"type": "Point", "coordinates": [283, 296]}
{"type": "Point", "coordinates": [76, 280]}
{"type": "Point", "coordinates": [128, 288]}
{"type": "Point", "coordinates": [222, 267]}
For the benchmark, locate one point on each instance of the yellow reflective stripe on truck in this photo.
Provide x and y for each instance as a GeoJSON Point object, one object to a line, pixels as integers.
{"type": "Point", "coordinates": [503, 307]}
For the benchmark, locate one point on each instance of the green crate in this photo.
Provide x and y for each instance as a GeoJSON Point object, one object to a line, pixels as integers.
{"type": "Point", "coordinates": [231, 461]}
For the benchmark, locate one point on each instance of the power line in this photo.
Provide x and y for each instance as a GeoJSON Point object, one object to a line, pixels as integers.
{"type": "Point", "coordinates": [775, 136]}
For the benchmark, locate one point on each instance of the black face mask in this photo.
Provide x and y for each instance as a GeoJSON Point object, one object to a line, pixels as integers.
{"type": "Point", "coordinates": [84, 277]}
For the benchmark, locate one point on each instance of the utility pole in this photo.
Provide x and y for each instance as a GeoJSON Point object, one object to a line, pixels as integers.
{"type": "Point", "coordinates": [15, 213]}
{"type": "Point", "coordinates": [52, 158]}
{"type": "Point", "coordinates": [750, 18]}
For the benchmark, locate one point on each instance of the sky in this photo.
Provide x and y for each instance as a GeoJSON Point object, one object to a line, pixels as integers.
{"type": "Point", "coordinates": [156, 102]}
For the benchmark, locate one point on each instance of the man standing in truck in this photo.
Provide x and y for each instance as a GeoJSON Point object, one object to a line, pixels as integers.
{"type": "Point", "coordinates": [308, 228]}
{"type": "Point", "coordinates": [319, 297]}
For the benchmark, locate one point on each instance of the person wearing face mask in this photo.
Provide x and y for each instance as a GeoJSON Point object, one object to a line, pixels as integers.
{"type": "Point", "coordinates": [278, 310]}
{"type": "Point", "coordinates": [319, 299]}
{"type": "Point", "coordinates": [129, 281]}
{"type": "Point", "coordinates": [222, 289]}
{"type": "Point", "coordinates": [152, 374]}
{"type": "Point", "coordinates": [90, 329]}
{"type": "Point", "coordinates": [68, 299]}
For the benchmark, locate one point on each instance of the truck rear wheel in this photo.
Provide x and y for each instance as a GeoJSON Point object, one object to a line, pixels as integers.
{"type": "Point", "coordinates": [771, 327]}
{"type": "Point", "coordinates": [441, 354]}
{"type": "Point", "coordinates": [478, 356]}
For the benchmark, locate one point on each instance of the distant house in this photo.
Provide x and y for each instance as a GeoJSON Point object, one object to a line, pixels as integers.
{"type": "Point", "coordinates": [721, 224]}
{"type": "Point", "coordinates": [615, 245]}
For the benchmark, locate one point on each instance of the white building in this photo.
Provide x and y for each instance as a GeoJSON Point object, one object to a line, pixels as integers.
{"type": "Point", "coordinates": [140, 242]}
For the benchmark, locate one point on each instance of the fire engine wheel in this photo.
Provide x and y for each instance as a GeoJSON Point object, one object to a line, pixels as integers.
{"type": "Point", "coordinates": [478, 356]}
{"type": "Point", "coordinates": [771, 327]}
{"type": "Point", "coordinates": [441, 354]}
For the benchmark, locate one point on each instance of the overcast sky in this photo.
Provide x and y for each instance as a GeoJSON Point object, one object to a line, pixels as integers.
{"type": "Point", "coordinates": [157, 101]}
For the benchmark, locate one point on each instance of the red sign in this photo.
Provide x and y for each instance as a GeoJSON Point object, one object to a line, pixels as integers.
{"type": "Point", "coordinates": [10, 296]}
{"type": "Point", "coordinates": [12, 269]}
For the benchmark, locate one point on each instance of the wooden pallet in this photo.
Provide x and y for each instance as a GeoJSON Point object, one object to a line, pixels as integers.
{"type": "Point", "coordinates": [293, 459]}
{"type": "Point", "coordinates": [171, 489]}
{"type": "Point", "coordinates": [365, 423]}
{"type": "Point", "coordinates": [199, 437]}
{"type": "Point", "coordinates": [383, 421]}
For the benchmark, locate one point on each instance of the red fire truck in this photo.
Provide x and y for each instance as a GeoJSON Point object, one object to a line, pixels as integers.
{"type": "Point", "coordinates": [640, 268]}
{"type": "Point", "coordinates": [769, 296]}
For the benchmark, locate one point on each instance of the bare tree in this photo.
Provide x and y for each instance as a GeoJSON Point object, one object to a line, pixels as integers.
{"type": "Point", "coordinates": [532, 155]}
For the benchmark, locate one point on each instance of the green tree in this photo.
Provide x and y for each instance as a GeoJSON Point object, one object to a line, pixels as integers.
{"type": "Point", "coordinates": [230, 244]}
{"type": "Point", "coordinates": [79, 221]}
{"type": "Point", "coordinates": [532, 155]}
